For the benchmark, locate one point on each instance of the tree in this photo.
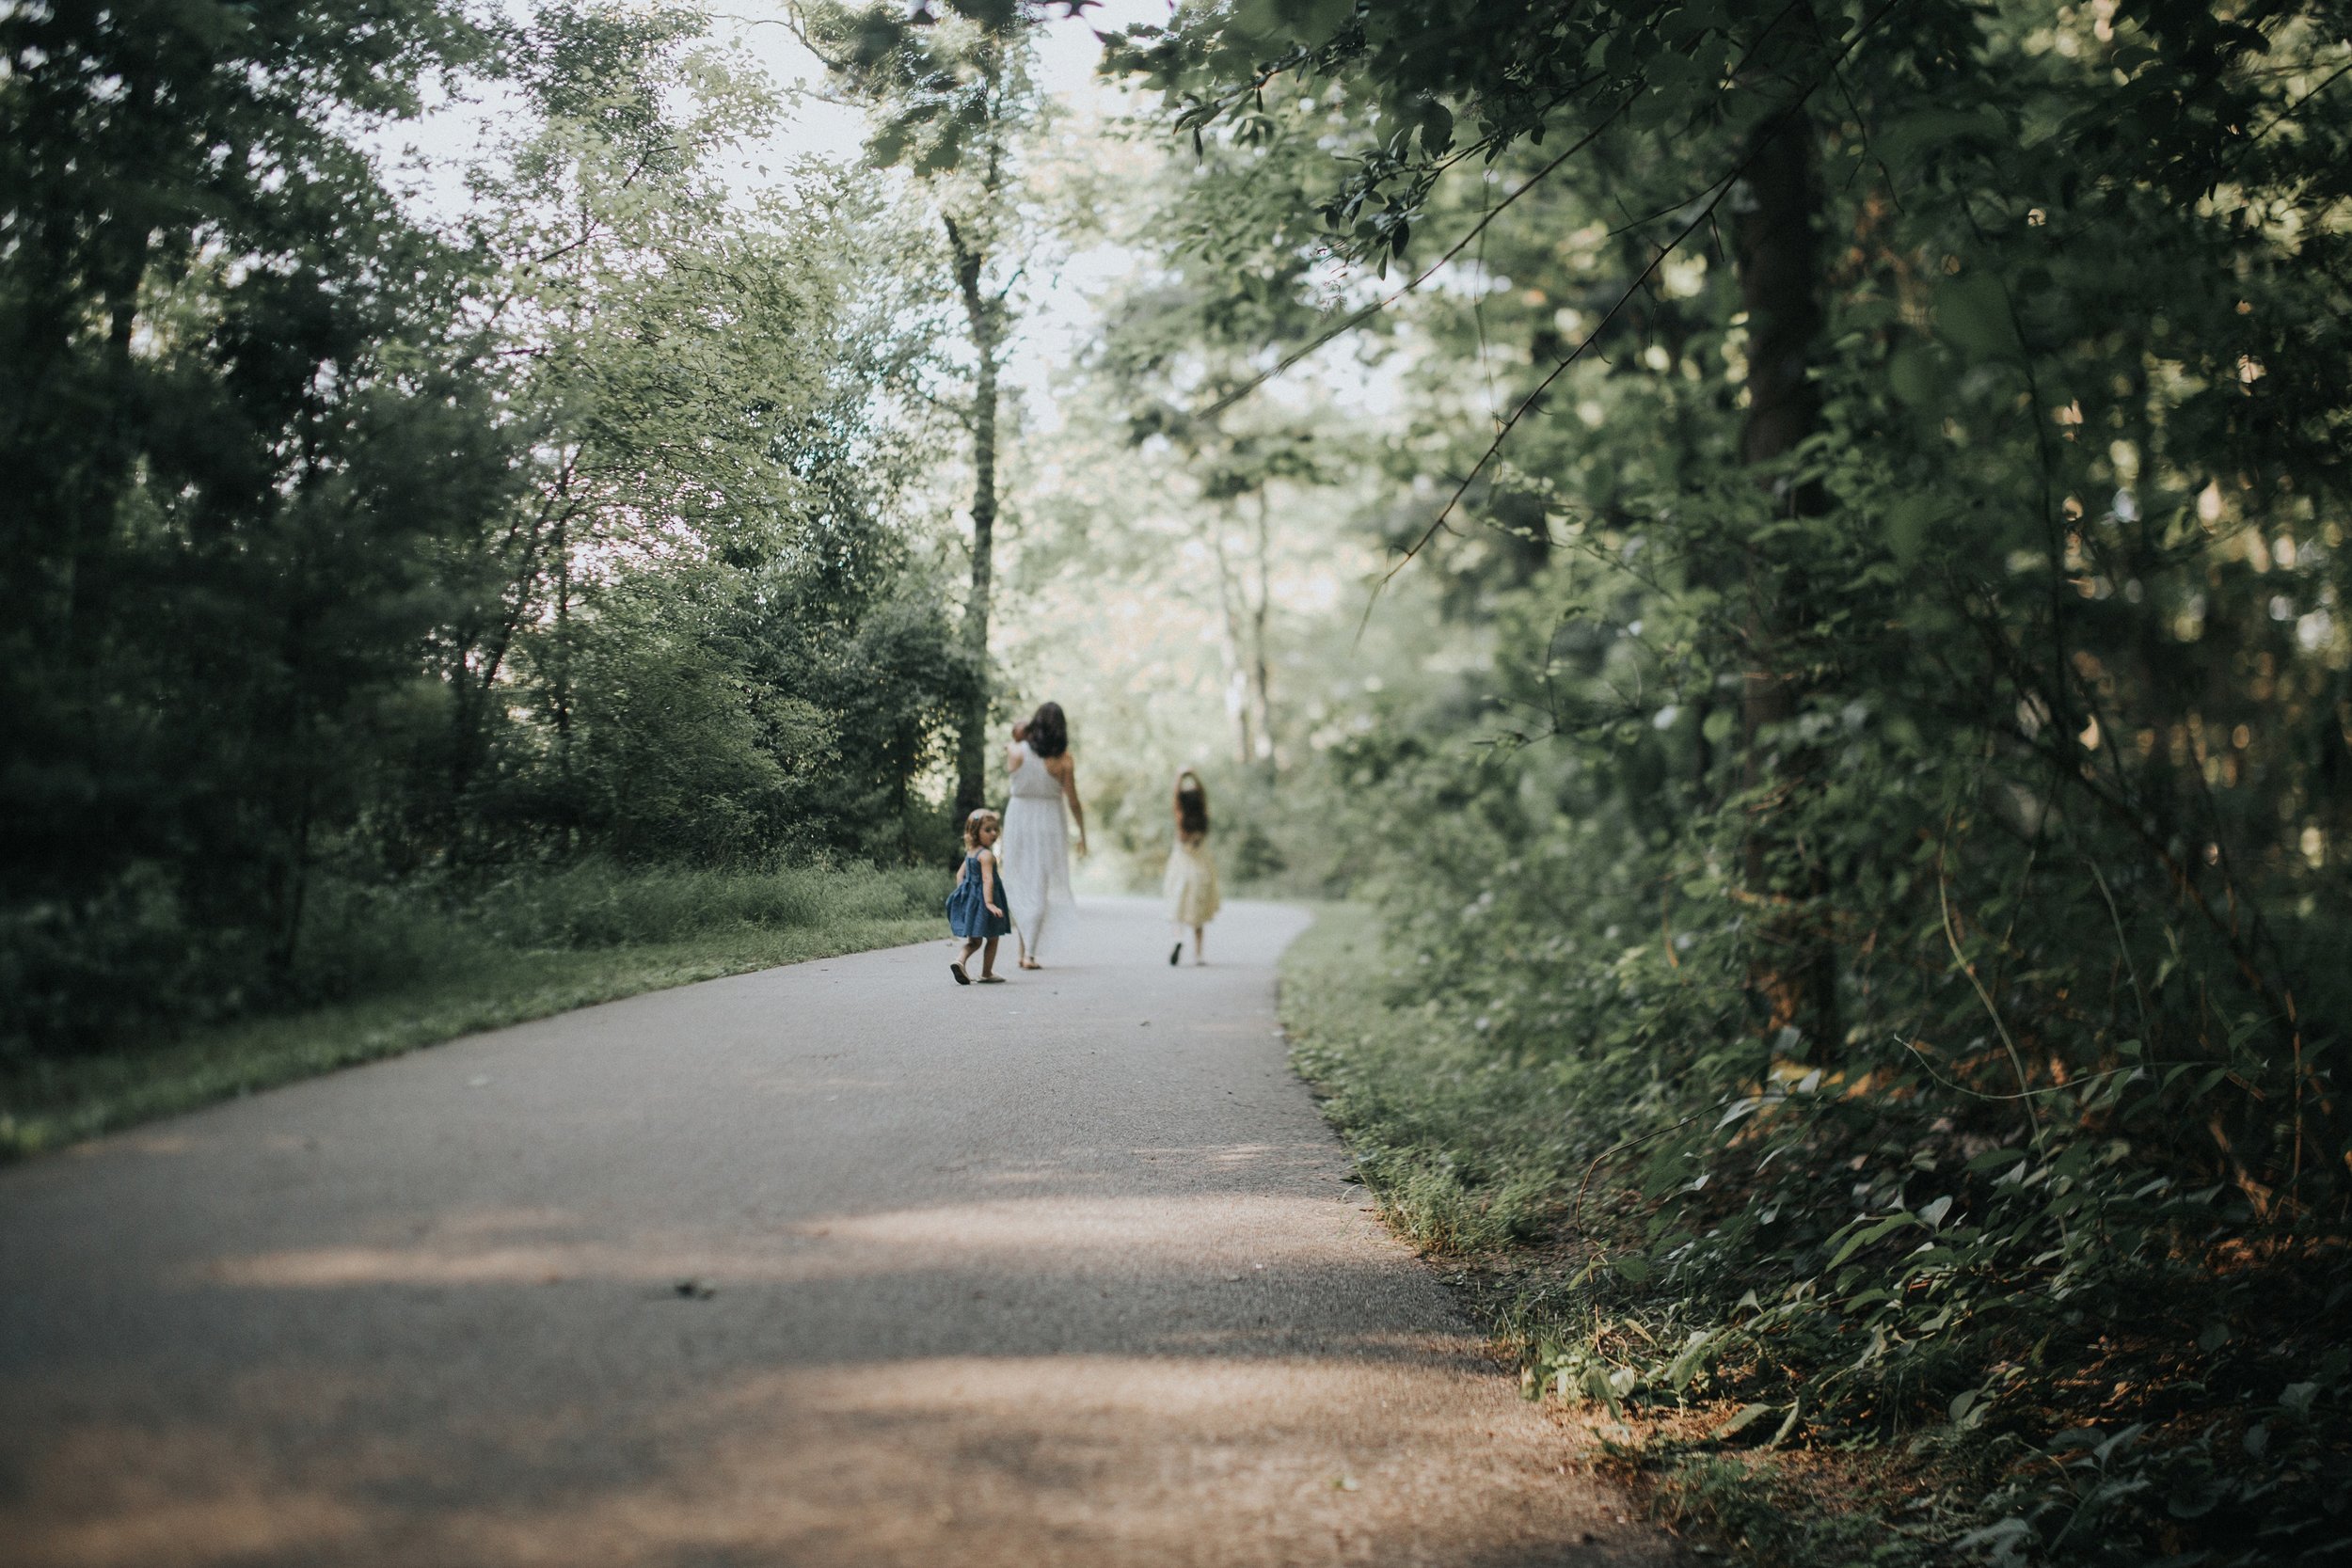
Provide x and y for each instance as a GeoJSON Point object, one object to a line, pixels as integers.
{"type": "Point", "coordinates": [235, 408]}
{"type": "Point", "coordinates": [711, 520]}
{"type": "Point", "coordinates": [951, 100]}
{"type": "Point", "coordinates": [1231, 287]}
{"type": "Point", "coordinates": [349, 552]}
{"type": "Point", "coordinates": [1908, 516]}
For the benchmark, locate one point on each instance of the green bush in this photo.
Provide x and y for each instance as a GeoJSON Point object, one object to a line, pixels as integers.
{"type": "Point", "coordinates": [600, 904]}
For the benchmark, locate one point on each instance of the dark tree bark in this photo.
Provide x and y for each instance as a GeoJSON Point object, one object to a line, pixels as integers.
{"type": "Point", "coordinates": [1793, 977]}
{"type": "Point", "coordinates": [980, 314]}
{"type": "Point", "coordinates": [1260, 659]}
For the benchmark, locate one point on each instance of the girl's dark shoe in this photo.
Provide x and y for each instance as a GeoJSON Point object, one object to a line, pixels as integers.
{"type": "Point", "coordinates": [1176, 952]}
{"type": "Point", "coordinates": [962, 978]}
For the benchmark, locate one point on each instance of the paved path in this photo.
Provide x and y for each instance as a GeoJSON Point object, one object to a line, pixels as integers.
{"type": "Point", "coordinates": [1057, 1272]}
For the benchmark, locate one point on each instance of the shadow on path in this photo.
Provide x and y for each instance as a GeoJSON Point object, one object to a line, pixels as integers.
{"type": "Point", "coordinates": [1065, 1272]}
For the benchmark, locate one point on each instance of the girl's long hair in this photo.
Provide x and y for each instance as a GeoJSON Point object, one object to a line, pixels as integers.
{"type": "Point", "coordinates": [1192, 805]}
{"type": "Point", "coordinates": [1048, 733]}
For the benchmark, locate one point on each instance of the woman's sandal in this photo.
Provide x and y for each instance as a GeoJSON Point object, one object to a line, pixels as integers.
{"type": "Point", "coordinates": [962, 978]}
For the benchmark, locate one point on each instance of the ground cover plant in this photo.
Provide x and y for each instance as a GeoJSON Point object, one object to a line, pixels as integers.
{"type": "Point", "coordinates": [1818, 1377]}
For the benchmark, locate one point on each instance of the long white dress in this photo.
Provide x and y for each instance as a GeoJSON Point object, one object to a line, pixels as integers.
{"type": "Point", "coordinates": [1035, 853]}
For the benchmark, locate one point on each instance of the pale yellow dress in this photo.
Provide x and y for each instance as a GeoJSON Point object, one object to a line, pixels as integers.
{"type": "Point", "coordinates": [1191, 884]}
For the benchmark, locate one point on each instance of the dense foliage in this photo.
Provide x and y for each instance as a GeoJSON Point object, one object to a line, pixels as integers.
{"type": "Point", "coordinates": [1889, 458]}
{"type": "Point", "coordinates": [344, 549]}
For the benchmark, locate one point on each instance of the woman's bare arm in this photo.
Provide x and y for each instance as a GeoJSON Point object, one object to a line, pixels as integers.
{"type": "Point", "coordinates": [1067, 776]}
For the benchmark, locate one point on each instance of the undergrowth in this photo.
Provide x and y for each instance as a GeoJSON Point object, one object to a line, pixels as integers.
{"type": "Point", "coordinates": [385, 972]}
{"type": "Point", "coordinates": [1882, 1378]}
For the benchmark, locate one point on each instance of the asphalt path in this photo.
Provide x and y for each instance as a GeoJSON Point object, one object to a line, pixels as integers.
{"type": "Point", "coordinates": [835, 1264]}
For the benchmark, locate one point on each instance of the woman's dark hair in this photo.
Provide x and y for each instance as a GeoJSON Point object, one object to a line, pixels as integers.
{"type": "Point", "coordinates": [1192, 805]}
{"type": "Point", "coordinates": [1049, 732]}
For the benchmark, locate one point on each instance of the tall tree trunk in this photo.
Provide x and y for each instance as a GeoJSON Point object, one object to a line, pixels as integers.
{"type": "Point", "coordinates": [1793, 976]}
{"type": "Point", "coordinates": [560, 693]}
{"type": "Point", "coordinates": [1229, 599]}
{"type": "Point", "coordinates": [980, 316]}
{"type": "Point", "coordinates": [1261, 662]}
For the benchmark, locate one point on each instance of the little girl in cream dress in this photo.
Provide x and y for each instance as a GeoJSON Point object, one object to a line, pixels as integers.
{"type": "Point", "coordinates": [1190, 885]}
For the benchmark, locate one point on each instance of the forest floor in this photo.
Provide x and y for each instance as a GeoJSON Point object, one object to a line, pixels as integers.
{"type": "Point", "coordinates": [478, 978]}
{"type": "Point", "coordinates": [837, 1264]}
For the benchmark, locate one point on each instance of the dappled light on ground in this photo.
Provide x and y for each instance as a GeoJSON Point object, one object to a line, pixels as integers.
{"type": "Point", "coordinates": [1040, 1237]}
{"type": "Point", "coordinates": [977, 1461]}
{"type": "Point", "coordinates": [1045, 1289]}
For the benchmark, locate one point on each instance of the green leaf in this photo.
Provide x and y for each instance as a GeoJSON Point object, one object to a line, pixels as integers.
{"type": "Point", "coordinates": [1910, 523]}
{"type": "Point", "coordinates": [1920, 375]}
{"type": "Point", "coordinates": [1790, 1424]}
{"type": "Point", "coordinates": [1260, 19]}
{"type": "Point", "coordinates": [1689, 1360]}
{"type": "Point", "coordinates": [1437, 130]}
{"type": "Point", "coordinates": [1317, 20]}
{"type": "Point", "coordinates": [1863, 1237]}
{"type": "Point", "coordinates": [1632, 1268]}
{"type": "Point", "coordinates": [1972, 313]}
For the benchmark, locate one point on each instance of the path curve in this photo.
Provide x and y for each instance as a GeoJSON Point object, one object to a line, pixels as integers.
{"type": "Point", "coordinates": [1063, 1272]}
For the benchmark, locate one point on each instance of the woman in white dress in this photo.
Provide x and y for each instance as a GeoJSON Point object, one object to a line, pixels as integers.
{"type": "Point", "coordinates": [1035, 850]}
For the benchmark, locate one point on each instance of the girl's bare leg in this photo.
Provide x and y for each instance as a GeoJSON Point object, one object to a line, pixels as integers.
{"type": "Point", "coordinates": [988, 957]}
{"type": "Point", "coordinates": [1200, 937]}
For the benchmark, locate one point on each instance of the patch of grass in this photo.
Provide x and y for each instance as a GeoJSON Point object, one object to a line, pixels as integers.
{"type": "Point", "coordinates": [405, 977]}
{"type": "Point", "coordinates": [1462, 1152]}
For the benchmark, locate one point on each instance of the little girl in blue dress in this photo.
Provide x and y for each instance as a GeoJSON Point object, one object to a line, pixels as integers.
{"type": "Point", "coordinates": [972, 911]}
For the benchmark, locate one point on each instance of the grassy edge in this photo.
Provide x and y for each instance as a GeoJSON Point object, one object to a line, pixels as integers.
{"type": "Point", "coordinates": [51, 1105]}
{"type": "Point", "coordinates": [1744, 1502]}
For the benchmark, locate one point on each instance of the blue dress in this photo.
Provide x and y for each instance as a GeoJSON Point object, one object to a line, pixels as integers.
{"type": "Point", "coordinates": [967, 906]}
